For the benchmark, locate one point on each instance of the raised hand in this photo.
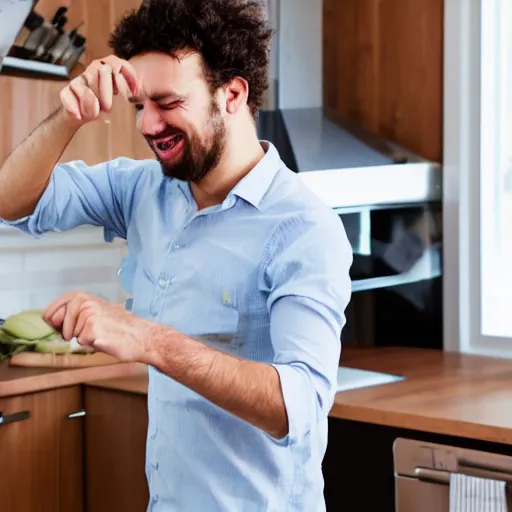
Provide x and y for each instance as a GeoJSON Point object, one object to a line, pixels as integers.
{"type": "Point", "coordinates": [92, 92]}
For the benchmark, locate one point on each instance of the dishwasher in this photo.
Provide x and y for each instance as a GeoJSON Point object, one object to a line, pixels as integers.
{"type": "Point", "coordinates": [423, 473]}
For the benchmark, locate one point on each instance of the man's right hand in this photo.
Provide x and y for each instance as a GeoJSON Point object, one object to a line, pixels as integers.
{"type": "Point", "coordinates": [92, 92]}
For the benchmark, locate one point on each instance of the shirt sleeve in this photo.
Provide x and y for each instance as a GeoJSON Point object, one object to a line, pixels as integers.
{"type": "Point", "coordinates": [80, 194]}
{"type": "Point", "coordinates": [309, 283]}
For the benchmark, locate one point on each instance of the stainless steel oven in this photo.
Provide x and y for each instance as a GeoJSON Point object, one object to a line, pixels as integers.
{"type": "Point", "coordinates": [424, 477]}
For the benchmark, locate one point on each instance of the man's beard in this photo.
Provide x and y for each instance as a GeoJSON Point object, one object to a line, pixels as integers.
{"type": "Point", "coordinates": [198, 159]}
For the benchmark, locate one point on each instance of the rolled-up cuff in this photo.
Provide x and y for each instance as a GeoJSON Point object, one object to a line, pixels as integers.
{"type": "Point", "coordinates": [298, 400]}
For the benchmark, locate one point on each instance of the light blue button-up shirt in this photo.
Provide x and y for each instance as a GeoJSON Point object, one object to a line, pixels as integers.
{"type": "Point", "coordinates": [263, 276]}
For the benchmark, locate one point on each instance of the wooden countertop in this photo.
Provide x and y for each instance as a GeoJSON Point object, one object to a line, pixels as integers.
{"type": "Point", "coordinates": [444, 393]}
{"type": "Point", "coordinates": [16, 380]}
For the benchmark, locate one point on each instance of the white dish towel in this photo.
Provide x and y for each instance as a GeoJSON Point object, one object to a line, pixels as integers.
{"type": "Point", "coordinates": [472, 494]}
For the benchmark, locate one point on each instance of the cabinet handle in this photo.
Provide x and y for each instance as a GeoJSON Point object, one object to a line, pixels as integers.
{"type": "Point", "coordinates": [77, 414]}
{"type": "Point", "coordinates": [13, 418]}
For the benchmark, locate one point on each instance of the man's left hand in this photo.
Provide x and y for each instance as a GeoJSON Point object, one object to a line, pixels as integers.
{"type": "Point", "coordinates": [102, 325]}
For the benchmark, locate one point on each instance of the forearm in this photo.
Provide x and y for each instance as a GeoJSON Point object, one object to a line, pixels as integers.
{"type": "Point", "coordinates": [247, 389]}
{"type": "Point", "coordinates": [27, 170]}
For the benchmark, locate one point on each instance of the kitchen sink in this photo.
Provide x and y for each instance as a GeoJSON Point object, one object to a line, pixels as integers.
{"type": "Point", "coordinates": [354, 378]}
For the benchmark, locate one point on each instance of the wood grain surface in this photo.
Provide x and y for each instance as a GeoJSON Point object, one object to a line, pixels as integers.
{"type": "Point", "coordinates": [25, 102]}
{"type": "Point", "coordinates": [383, 68]}
{"type": "Point", "coordinates": [115, 445]}
{"type": "Point", "coordinates": [445, 393]}
{"type": "Point", "coordinates": [42, 457]}
{"type": "Point", "coordinates": [40, 360]}
{"type": "Point", "coordinates": [16, 380]}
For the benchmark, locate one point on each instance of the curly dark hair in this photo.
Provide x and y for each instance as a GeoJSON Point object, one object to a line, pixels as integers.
{"type": "Point", "coordinates": [232, 36]}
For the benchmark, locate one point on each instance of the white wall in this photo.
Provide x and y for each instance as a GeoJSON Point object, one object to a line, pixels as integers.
{"type": "Point", "coordinates": [34, 273]}
{"type": "Point", "coordinates": [300, 53]}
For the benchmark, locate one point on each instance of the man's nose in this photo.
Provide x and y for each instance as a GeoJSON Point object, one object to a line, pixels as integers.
{"type": "Point", "coordinates": [150, 121]}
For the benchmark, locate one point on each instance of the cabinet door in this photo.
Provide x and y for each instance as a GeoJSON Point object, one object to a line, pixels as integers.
{"type": "Point", "coordinates": [41, 456]}
{"type": "Point", "coordinates": [115, 444]}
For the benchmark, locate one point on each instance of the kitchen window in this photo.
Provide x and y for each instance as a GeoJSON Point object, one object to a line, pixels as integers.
{"type": "Point", "coordinates": [477, 181]}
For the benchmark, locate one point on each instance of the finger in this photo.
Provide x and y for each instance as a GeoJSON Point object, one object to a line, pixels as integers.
{"type": "Point", "coordinates": [122, 87]}
{"type": "Point", "coordinates": [89, 103]}
{"type": "Point", "coordinates": [85, 337]}
{"type": "Point", "coordinates": [124, 68]}
{"type": "Point", "coordinates": [106, 87]}
{"type": "Point", "coordinates": [61, 301]}
{"type": "Point", "coordinates": [91, 78]}
{"type": "Point", "coordinates": [131, 78]}
{"type": "Point", "coordinates": [57, 319]}
{"type": "Point", "coordinates": [81, 324]}
{"type": "Point", "coordinates": [79, 85]}
{"type": "Point", "coordinates": [70, 102]}
{"type": "Point", "coordinates": [73, 310]}
{"type": "Point", "coordinates": [85, 340]}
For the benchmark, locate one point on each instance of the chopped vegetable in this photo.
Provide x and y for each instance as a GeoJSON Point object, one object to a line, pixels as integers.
{"type": "Point", "coordinates": [28, 325]}
{"type": "Point", "coordinates": [55, 346]}
{"type": "Point", "coordinates": [28, 332]}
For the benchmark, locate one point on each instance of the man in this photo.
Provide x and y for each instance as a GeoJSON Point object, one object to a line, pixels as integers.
{"type": "Point", "coordinates": [240, 276]}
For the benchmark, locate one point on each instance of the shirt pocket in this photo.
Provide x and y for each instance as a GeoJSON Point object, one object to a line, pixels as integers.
{"type": "Point", "coordinates": [222, 329]}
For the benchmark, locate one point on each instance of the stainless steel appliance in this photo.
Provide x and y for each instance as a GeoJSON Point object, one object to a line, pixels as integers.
{"type": "Point", "coordinates": [423, 472]}
{"type": "Point", "coordinates": [390, 202]}
{"type": "Point", "coordinates": [389, 199]}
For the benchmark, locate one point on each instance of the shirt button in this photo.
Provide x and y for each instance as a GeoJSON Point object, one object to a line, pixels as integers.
{"type": "Point", "coordinates": [163, 283]}
{"type": "Point", "coordinates": [154, 499]}
{"type": "Point", "coordinates": [154, 463]}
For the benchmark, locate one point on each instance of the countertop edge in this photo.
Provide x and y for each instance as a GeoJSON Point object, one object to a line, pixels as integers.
{"type": "Point", "coordinates": [69, 377]}
{"type": "Point", "coordinates": [420, 423]}
{"type": "Point", "coordinates": [360, 413]}
{"type": "Point", "coordinates": [138, 384]}
{"type": "Point", "coordinates": [366, 406]}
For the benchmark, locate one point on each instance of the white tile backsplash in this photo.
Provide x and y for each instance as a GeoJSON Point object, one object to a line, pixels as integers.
{"type": "Point", "coordinates": [33, 272]}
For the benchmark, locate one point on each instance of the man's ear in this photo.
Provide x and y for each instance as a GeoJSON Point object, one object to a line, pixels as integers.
{"type": "Point", "coordinates": [237, 93]}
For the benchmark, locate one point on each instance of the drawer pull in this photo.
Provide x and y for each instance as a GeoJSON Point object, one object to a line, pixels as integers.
{"type": "Point", "coordinates": [77, 414]}
{"type": "Point", "coordinates": [13, 418]}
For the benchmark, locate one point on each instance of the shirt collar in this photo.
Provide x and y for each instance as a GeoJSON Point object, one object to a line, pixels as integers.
{"type": "Point", "coordinates": [254, 185]}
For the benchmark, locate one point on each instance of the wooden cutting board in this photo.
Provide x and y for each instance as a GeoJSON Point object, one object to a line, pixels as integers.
{"type": "Point", "coordinates": [37, 360]}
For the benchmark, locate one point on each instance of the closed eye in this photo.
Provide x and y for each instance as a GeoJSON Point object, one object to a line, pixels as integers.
{"type": "Point", "coordinates": [171, 105]}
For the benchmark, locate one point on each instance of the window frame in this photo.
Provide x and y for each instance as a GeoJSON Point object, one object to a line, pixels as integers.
{"type": "Point", "coordinates": [466, 115]}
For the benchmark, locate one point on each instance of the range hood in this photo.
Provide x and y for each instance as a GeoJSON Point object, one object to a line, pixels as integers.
{"type": "Point", "coordinates": [347, 166]}
{"type": "Point", "coordinates": [44, 49]}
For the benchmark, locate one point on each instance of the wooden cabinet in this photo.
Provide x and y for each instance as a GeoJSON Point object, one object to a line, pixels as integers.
{"type": "Point", "coordinates": [41, 456]}
{"type": "Point", "coordinates": [25, 102]}
{"type": "Point", "coordinates": [115, 443]}
{"type": "Point", "coordinates": [383, 68]}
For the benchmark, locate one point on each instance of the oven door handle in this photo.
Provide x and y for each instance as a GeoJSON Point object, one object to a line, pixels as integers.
{"type": "Point", "coordinates": [443, 477]}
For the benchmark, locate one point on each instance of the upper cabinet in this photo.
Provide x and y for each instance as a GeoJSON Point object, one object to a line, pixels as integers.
{"type": "Point", "coordinates": [383, 68]}
{"type": "Point", "coordinates": [25, 102]}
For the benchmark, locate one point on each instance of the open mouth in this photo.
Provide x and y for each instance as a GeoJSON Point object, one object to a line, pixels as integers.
{"type": "Point", "coordinates": [169, 143]}
{"type": "Point", "coordinates": [168, 147]}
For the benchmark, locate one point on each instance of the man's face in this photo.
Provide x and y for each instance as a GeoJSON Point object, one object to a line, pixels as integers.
{"type": "Point", "coordinates": [178, 115]}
